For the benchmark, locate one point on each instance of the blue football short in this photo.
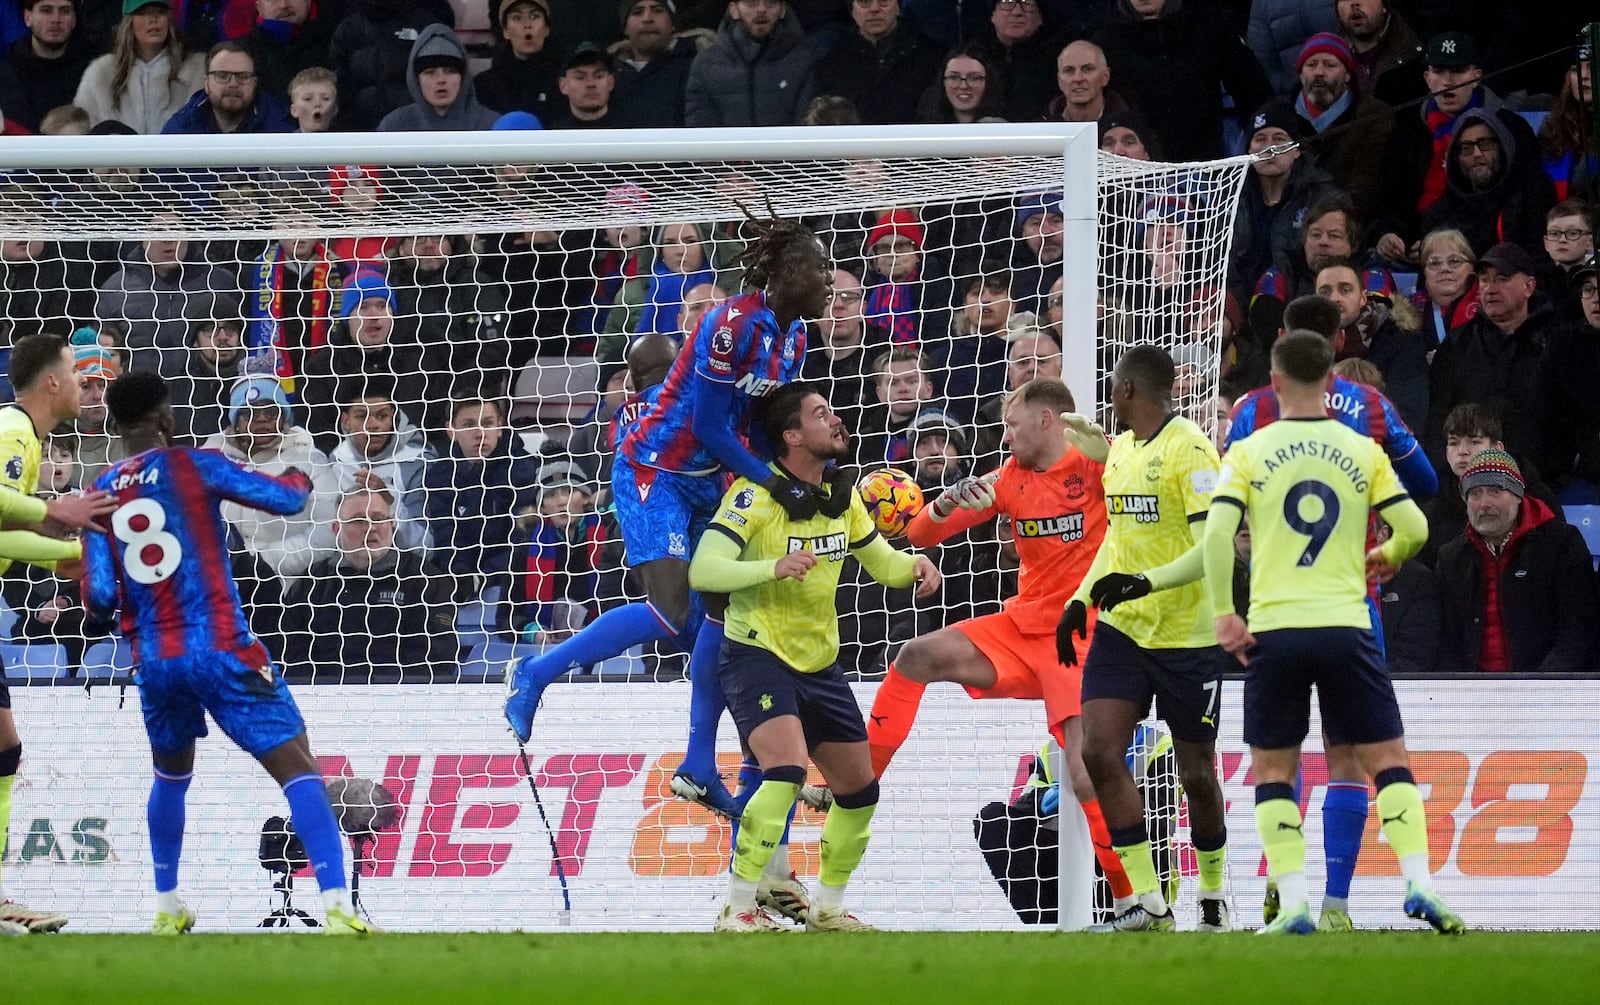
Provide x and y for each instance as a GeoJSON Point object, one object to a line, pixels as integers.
{"type": "Point", "coordinates": [662, 513]}
{"type": "Point", "coordinates": [244, 692]}
{"type": "Point", "coordinates": [759, 687]}
{"type": "Point", "coordinates": [1351, 679]}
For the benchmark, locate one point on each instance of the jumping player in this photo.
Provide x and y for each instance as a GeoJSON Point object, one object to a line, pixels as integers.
{"type": "Point", "coordinates": [668, 478]}
{"type": "Point", "coordinates": [1051, 489]}
{"type": "Point", "coordinates": [165, 566]}
{"type": "Point", "coordinates": [1308, 486]}
{"type": "Point", "coordinates": [1365, 410]}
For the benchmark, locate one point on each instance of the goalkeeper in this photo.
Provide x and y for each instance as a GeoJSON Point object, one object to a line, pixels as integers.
{"type": "Point", "coordinates": [1050, 487]}
{"type": "Point", "coordinates": [778, 664]}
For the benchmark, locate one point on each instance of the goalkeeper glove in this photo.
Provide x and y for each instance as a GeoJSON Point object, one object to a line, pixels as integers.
{"type": "Point", "coordinates": [1074, 619]}
{"type": "Point", "coordinates": [1117, 588]}
{"type": "Point", "coordinates": [1050, 800]}
{"type": "Point", "coordinates": [969, 493]}
{"type": "Point", "coordinates": [798, 499]}
{"type": "Point", "coordinates": [1085, 434]}
{"type": "Point", "coordinates": [841, 489]}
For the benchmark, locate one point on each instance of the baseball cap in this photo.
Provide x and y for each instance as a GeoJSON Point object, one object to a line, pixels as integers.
{"type": "Point", "coordinates": [130, 6]}
{"type": "Point", "coordinates": [506, 5]}
{"type": "Point", "coordinates": [1493, 467]}
{"type": "Point", "coordinates": [1508, 259]}
{"type": "Point", "coordinates": [589, 54]}
{"type": "Point", "coordinates": [1451, 50]}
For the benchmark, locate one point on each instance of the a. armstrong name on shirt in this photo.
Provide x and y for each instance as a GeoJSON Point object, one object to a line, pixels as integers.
{"type": "Point", "coordinates": [1068, 527]}
{"type": "Point", "coordinates": [1143, 509]}
{"type": "Point", "coordinates": [833, 547]}
{"type": "Point", "coordinates": [1318, 451]}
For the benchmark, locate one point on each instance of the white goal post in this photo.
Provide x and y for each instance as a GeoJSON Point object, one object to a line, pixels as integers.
{"type": "Point", "coordinates": [146, 240]}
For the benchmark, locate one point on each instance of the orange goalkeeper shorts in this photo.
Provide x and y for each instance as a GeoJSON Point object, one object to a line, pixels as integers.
{"type": "Point", "coordinates": [1025, 665]}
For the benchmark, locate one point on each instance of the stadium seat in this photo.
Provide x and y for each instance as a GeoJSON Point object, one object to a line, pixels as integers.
{"type": "Point", "coordinates": [35, 662]}
{"type": "Point", "coordinates": [487, 660]}
{"type": "Point", "coordinates": [8, 619]}
{"type": "Point", "coordinates": [1534, 119]}
{"type": "Point", "coordinates": [555, 392]}
{"type": "Point", "coordinates": [112, 657]}
{"type": "Point", "coordinates": [1405, 283]}
{"type": "Point", "coordinates": [1587, 520]}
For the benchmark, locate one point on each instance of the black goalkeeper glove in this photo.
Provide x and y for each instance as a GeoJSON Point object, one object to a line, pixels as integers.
{"type": "Point", "coordinates": [1074, 619]}
{"type": "Point", "coordinates": [841, 489]}
{"type": "Point", "coordinates": [1117, 588]}
{"type": "Point", "coordinates": [798, 499]}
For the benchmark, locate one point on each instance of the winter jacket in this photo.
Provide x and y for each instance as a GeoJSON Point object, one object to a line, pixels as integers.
{"type": "Point", "coordinates": [289, 545]}
{"type": "Point", "coordinates": [1278, 31]}
{"type": "Point", "coordinates": [472, 505]}
{"type": "Point", "coordinates": [466, 113]}
{"type": "Point", "coordinates": [392, 622]}
{"type": "Point", "coordinates": [511, 84]}
{"type": "Point", "coordinates": [1546, 596]}
{"type": "Point", "coordinates": [1512, 208]}
{"type": "Point", "coordinates": [652, 95]}
{"type": "Point", "coordinates": [1437, 321]}
{"type": "Point", "coordinates": [740, 82]}
{"type": "Point", "coordinates": [281, 52]}
{"type": "Point", "coordinates": [1027, 73]}
{"type": "Point", "coordinates": [149, 307]}
{"type": "Point", "coordinates": [371, 53]}
{"type": "Point", "coordinates": [1263, 235]}
{"type": "Point", "coordinates": [1351, 150]}
{"type": "Point", "coordinates": [1397, 64]}
{"type": "Point", "coordinates": [200, 400]}
{"type": "Point", "coordinates": [1479, 363]}
{"type": "Point", "coordinates": [1173, 67]}
{"type": "Point", "coordinates": [400, 464]}
{"type": "Point", "coordinates": [343, 360]}
{"type": "Point", "coordinates": [1387, 337]}
{"type": "Point", "coordinates": [1567, 408]}
{"type": "Point", "coordinates": [1410, 156]}
{"type": "Point", "coordinates": [1413, 620]}
{"type": "Point", "coordinates": [151, 98]}
{"type": "Point", "coordinates": [884, 80]}
{"type": "Point", "coordinates": [270, 115]}
{"type": "Point", "coordinates": [31, 86]}
{"type": "Point", "coordinates": [50, 292]}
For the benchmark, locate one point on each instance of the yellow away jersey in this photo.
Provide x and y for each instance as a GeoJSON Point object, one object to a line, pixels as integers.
{"type": "Point", "coordinates": [1308, 486]}
{"type": "Point", "coordinates": [20, 452]}
{"type": "Point", "coordinates": [795, 621]}
{"type": "Point", "coordinates": [1156, 490]}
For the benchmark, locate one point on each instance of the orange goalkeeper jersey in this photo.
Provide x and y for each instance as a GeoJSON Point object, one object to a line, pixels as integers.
{"type": "Point", "coordinates": [1059, 519]}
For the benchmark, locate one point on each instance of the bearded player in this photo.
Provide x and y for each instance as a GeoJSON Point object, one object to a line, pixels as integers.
{"type": "Point", "coordinates": [668, 478]}
{"type": "Point", "coordinates": [1051, 489]}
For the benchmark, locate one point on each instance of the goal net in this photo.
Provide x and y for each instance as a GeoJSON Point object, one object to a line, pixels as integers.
{"type": "Point", "coordinates": [433, 329]}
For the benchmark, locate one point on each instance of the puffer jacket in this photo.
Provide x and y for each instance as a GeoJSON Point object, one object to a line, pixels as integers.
{"type": "Point", "coordinates": [288, 544]}
{"type": "Point", "coordinates": [742, 82]}
{"type": "Point", "coordinates": [1278, 31]}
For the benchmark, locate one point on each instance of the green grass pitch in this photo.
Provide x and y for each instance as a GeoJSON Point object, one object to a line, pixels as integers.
{"type": "Point", "coordinates": [881, 969]}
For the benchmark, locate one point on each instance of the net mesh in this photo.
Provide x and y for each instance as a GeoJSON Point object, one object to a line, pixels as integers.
{"type": "Point", "coordinates": [452, 335]}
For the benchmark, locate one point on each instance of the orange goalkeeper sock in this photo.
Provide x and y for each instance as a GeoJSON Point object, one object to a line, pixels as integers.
{"type": "Point", "coordinates": [893, 711]}
{"type": "Point", "coordinates": [1110, 864]}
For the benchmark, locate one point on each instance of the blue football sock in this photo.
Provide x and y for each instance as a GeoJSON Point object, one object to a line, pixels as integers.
{"type": "Point", "coordinates": [1344, 818]}
{"type": "Point", "coordinates": [314, 822]}
{"type": "Point", "coordinates": [611, 634]}
{"type": "Point", "coordinates": [165, 815]}
{"type": "Point", "coordinates": [706, 702]}
{"type": "Point", "coordinates": [749, 782]}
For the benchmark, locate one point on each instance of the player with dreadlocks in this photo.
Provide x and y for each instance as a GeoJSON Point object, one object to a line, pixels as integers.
{"type": "Point", "coordinates": [668, 479]}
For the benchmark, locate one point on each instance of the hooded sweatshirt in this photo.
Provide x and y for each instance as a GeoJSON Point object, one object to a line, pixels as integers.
{"type": "Point", "coordinates": [466, 113]}
{"type": "Point", "coordinates": [400, 464]}
{"type": "Point", "coordinates": [1514, 205]}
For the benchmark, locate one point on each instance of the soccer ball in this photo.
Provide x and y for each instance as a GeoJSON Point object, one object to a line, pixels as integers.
{"type": "Point", "coordinates": [892, 499]}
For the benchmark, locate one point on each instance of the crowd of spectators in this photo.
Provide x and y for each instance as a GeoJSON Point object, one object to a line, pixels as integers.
{"type": "Point", "coordinates": [1429, 168]}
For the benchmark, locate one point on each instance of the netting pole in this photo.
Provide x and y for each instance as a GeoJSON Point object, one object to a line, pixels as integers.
{"type": "Point", "coordinates": [1079, 351]}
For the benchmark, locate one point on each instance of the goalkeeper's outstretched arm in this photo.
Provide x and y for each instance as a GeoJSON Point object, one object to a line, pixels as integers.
{"type": "Point", "coordinates": [960, 507]}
